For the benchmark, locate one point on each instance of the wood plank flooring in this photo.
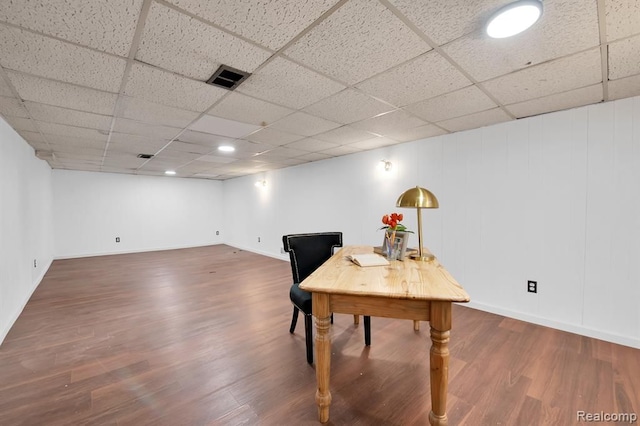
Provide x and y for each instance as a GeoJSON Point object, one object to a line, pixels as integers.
{"type": "Point", "coordinates": [201, 337]}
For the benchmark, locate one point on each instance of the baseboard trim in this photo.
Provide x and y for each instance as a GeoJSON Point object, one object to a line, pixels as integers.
{"type": "Point", "coordinates": [16, 314]}
{"type": "Point", "coordinates": [571, 328]}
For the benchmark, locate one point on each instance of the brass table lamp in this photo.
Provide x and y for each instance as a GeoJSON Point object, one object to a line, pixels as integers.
{"type": "Point", "coordinates": [419, 198]}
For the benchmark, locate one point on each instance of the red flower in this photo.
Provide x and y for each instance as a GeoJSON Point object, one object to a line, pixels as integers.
{"type": "Point", "coordinates": [392, 222]}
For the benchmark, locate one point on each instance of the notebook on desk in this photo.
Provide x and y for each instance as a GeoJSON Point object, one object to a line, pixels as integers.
{"type": "Point", "coordinates": [368, 259]}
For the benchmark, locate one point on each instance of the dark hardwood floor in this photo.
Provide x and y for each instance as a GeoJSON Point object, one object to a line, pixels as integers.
{"type": "Point", "coordinates": [201, 337]}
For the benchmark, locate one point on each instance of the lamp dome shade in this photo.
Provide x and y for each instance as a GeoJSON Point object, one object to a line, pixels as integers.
{"type": "Point", "coordinates": [418, 197]}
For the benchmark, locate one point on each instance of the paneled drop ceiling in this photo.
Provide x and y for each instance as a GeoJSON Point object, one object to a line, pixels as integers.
{"type": "Point", "coordinates": [90, 84]}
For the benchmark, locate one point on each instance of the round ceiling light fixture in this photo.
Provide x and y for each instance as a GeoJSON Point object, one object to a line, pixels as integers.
{"type": "Point", "coordinates": [514, 18]}
{"type": "Point", "coordinates": [226, 148]}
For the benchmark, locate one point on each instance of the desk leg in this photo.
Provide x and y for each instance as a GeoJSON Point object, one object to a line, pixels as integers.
{"type": "Point", "coordinates": [322, 314]}
{"type": "Point", "coordinates": [439, 361]}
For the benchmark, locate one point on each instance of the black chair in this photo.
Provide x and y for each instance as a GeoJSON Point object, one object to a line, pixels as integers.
{"type": "Point", "coordinates": [307, 252]}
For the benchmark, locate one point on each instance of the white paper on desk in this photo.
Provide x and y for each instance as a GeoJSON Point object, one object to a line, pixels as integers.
{"type": "Point", "coordinates": [368, 259]}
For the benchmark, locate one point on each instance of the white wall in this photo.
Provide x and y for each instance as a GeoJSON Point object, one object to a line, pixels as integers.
{"type": "Point", "coordinates": [26, 231]}
{"type": "Point", "coordinates": [148, 213]}
{"type": "Point", "coordinates": [553, 198]}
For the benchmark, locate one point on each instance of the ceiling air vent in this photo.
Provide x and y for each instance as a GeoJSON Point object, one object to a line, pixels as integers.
{"type": "Point", "coordinates": [145, 156]}
{"type": "Point", "coordinates": [227, 77]}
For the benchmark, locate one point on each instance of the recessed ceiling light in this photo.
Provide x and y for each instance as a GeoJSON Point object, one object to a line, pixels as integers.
{"type": "Point", "coordinates": [170, 172]}
{"type": "Point", "coordinates": [226, 148]}
{"type": "Point", "coordinates": [514, 18]}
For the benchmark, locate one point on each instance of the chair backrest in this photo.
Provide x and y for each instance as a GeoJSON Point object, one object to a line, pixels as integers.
{"type": "Point", "coordinates": [308, 251]}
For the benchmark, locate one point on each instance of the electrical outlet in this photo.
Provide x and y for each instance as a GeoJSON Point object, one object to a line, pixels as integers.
{"type": "Point", "coordinates": [217, 232]}
{"type": "Point", "coordinates": [282, 250]}
{"type": "Point", "coordinates": [35, 263]}
{"type": "Point", "coordinates": [258, 239]}
{"type": "Point", "coordinates": [117, 239]}
{"type": "Point", "coordinates": [532, 286]}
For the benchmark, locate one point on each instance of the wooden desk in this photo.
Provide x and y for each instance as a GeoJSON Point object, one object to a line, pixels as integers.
{"type": "Point", "coordinates": [412, 290]}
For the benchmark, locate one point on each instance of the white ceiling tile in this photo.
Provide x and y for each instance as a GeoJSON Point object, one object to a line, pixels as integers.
{"type": "Point", "coordinates": [12, 107]}
{"type": "Point", "coordinates": [198, 166]}
{"type": "Point", "coordinates": [561, 75]}
{"type": "Point", "coordinates": [344, 135]}
{"type": "Point", "coordinates": [374, 143]}
{"type": "Point", "coordinates": [132, 127]}
{"type": "Point", "coordinates": [571, 99]}
{"type": "Point", "coordinates": [78, 132]}
{"type": "Point", "coordinates": [180, 43]}
{"type": "Point", "coordinates": [566, 27]}
{"type": "Point", "coordinates": [5, 90]}
{"type": "Point", "coordinates": [62, 94]}
{"type": "Point", "coordinates": [388, 123]}
{"type": "Point", "coordinates": [273, 137]}
{"type": "Point", "coordinates": [166, 88]}
{"type": "Point", "coordinates": [54, 114]}
{"type": "Point", "coordinates": [624, 88]}
{"type": "Point", "coordinates": [169, 155]}
{"type": "Point", "coordinates": [142, 110]}
{"type": "Point", "coordinates": [359, 40]}
{"type": "Point", "coordinates": [79, 160]}
{"type": "Point", "coordinates": [314, 156]}
{"type": "Point", "coordinates": [223, 127]}
{"type": "Point", "coordinates": [71, 143]}
{"type": "Point", "coordinates": [203, 138]}
{"type": "Point", "coordinates": [121, 160]}
{"type": "Point", "coordinates": [32, 137]}
{"type": "Point", "coordinates": [106, 25]}
{"type": "Point", "coordinates": [342, 150]}
{"type": "Point", "coordinates": [21, 123]}
{"type": "Point", "coordinates": [622, 17]}
{"type": "Point", "coordinates": [304, 124]}
{"type": "Point", "coordinates": [461, 102]}
{"type": "Point", "coordinates": [422, 78]}
{"type": "Point", "coordinates": [624, 57]}
{"type": "Point", "coordinates": [96, 150]}
{"type": "Point", "coordinates": [311, 145]}
{"type": "Point", "coordinates": [40, 146]}
{"type": "Point", "coordinates": [122, 142]}
{"type": "Point", "coordinates": [421, 132]}
{"type": "Point", "coordinates": [280, 153]}
{"type": "Point", "coordinates": [472, 121]}
{"type": "Point", "coordinates": [239, 107]}
{"type": "Point", "coordinates": [286, 83]}
{"type": "Point", "coordinates": [216, 159]}
{"type": "Point", "coordinates": [246, 148]}
{"type": "Point", "coordinates": [268, 22]}
{"type": "Point", "coordinates": [348, 106]}
{"type": "Point", "coordinates": [446, 20]}
{"type": "Point", "coordinates": [24, 51]}
{"type": "Point", "coordinates": [189, 147]}
{"type": "Point", "coordinates": [242, 166]}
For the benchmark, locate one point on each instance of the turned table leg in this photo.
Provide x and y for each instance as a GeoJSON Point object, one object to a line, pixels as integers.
{"type": "Point", "coordinates": [322, 315]}
{"type": "Point", "coordinates": [439, 361]}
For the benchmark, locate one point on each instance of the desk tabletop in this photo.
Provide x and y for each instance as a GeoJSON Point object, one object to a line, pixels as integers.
{"type": "Point", "coordinates": [408, 279]}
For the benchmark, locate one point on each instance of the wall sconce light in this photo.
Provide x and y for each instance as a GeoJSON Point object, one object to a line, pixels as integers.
{"type": "Point", "coordinates": [386, 165]}
{"type": "Point", "coordinates": [261, 183]}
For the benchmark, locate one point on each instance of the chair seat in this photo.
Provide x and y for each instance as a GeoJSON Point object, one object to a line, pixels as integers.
{"type": "Point", "coordinates": [300, 298]}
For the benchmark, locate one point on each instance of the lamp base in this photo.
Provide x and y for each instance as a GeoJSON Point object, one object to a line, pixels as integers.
{"type": "Point", "coordinates": [427, 257]}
